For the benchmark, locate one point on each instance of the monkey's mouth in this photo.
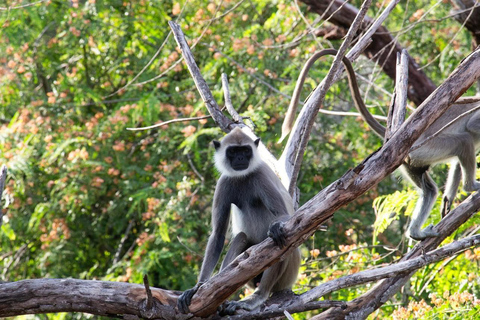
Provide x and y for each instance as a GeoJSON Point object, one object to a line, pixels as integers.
{"type": "Point", "coordinates": [240, 167]}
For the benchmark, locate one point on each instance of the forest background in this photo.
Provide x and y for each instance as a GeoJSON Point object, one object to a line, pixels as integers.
{"type": "Point", "coordinates": [87, 199]}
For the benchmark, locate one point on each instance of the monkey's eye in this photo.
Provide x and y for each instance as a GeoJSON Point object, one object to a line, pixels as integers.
{"type": "Point", "coordinates": [248, 152]}
{"type": "Point", "coordinates": [230, 152]}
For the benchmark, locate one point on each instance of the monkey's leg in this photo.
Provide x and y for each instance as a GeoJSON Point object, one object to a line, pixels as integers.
{"type": "Point", "coordinates": [466, 157]}
{"type": "Point", "coordinates": [451, 187]}
{"type": "Point", "coordinates": [237, 246]}
{"type": "Point", "coordinates": [427, 194]}
{"type": "Point", "coordinates": [280, 276]}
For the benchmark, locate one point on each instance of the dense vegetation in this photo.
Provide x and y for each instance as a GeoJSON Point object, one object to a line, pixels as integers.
{"type": "Point", "coordinates": [88, 199]}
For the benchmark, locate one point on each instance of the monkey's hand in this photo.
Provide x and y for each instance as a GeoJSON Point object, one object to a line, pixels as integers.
{"type": "Point", "coordinates": [277, 233]}
{"type": "Point", "coordinates": [186, 298]}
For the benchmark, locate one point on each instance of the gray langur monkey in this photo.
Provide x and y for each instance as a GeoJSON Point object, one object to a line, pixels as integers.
{"type": "Point", "coordinates": [259, 204]}
{"type": "Point", "coordinates": [456, 143]}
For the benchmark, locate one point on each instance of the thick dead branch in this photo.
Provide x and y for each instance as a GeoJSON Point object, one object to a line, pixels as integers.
{"type": "Point", "coordinates": [292, 157]}
{"type": "Point", "coordinates": [383, 48]}
{"type": "Point", "coordinates": [354, 183]}
{"type": "Point", "coordinates": [398, 110]}
{"type": "Point", "coordinates": [112, 299]}
{"type": "Point", "coordinates": [308, 113]}
{"type": "Point", "coordinates": [202, 86]}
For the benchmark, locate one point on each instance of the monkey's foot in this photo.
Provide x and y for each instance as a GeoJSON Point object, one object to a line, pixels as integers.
{"type": "Point", "coordinates": [249, 303]}
{"type": "Point", "coordinates": [419, 235]}
{"type": "Point", "coordinates": [475, 186]}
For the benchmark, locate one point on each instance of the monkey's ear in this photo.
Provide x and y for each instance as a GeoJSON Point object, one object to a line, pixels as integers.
{"type": "Point", "coordinates": [216, 144]}
{"type": "Point", "coordinates": [257, 142]}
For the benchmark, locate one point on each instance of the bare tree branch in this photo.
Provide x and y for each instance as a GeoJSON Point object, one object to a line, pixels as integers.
{"type": "Point", "coordinates": [382, 49]}
{"type": "Point", "coordinates": [220, 119]}
{"type": "Point", "coordinates": [300, 135]}
{"type": "Point", "coordinates": [396, 269]}
{"type": "Point", "coordinates": [367, 303]}
{"type": "Point", "coordinates": [96, 297]}
{"type": "Point", "coordinates": [228, 101]}
{"type": "Point", "coordinates": [398, 110]}
{"type": "Point", "coordinates": [292, 148]}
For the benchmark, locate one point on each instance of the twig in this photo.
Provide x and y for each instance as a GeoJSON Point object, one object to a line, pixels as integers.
{"type": "Point", "coordinates": [188, 248]}
{"type": "Point", "coordinates": [364, 41]}
{"type": "Point", "coordinates": [116, 258]}
{"type": "Point", "coordinates": [202, 86]}
{"type": "Point", "coordinates": [149, 304]}
{"type": "Point", "coordinates": [145, 67]}
{"type": "Point", "coordinates": [225, 13]}
{"type": "Point", "coordinates": [464, 100]}
{"type": "Point", "coordinates": [181, 59]}
{"type": "Point", "coordinates": [348, 114]}
{"type": "Point", "coordinates": [22, 6]}
{"type": "Point", "coordinates": [268, 85]}
{"type": "Point", "coordinates": [190, 162]}
{"type": "Point", "coordinates": [158, 125]}
{"type": "Point", "coordinates": [3, 177]}
{"type": "Point", "coordinates": [403, 267]}
{"type": "Point", "coordinates": [228, 101]}
{"type": "Point", "coordinates": [460, 30]}
{"type": "Point", "coordinates": [153, 58]}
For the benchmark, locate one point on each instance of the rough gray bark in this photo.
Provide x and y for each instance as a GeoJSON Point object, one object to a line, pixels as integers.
{"type": "Point", "coordinates": [383, 48]}
{"type": "Point", "coordinates": [467, 12]}
{"type": "Point", "coordinates": [111, 299]}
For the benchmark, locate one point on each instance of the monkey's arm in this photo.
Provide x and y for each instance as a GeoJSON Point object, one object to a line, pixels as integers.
{"type": "Point", "coordinates": [279, 202]}
{"type": "Point", "coordinates": [220, 220]}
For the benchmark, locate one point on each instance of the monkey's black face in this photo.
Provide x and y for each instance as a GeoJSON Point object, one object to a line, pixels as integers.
{"type": "Point", "coordinates": [239, 157]}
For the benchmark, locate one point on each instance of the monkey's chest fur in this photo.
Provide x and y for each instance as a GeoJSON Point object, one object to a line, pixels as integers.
{"type": "Point", "coordinates": [250, 213]}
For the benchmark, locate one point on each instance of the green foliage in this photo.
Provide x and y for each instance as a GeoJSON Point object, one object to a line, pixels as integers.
{"type": "Point", "coordinates": [387, 208]}
{"type": "Point", "coordinates": [86, 198]}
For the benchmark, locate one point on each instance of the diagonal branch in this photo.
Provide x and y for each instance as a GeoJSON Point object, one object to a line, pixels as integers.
{"type": "Point", "coordinates": [298, 140]}
{"type": "Point", "coordinates": [220, 119]}
{"type": "Point", "coordinates": [383, 48]}
{"type": "Point", "coordinates": [288, 158]}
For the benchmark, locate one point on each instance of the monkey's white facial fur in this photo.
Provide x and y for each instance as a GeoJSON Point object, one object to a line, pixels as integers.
{"type": "Point", "coordinates": [236, 155]}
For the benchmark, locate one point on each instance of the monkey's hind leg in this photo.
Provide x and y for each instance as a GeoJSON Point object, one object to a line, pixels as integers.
{"type": "Point", "coordinates": [451, 187]}
{"type": "Point", "coordinates": [237, 246]}
{"type": "Point", "coordinates": [280, 276]}
{"type": "Point", "coordinates": [427, 194]}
